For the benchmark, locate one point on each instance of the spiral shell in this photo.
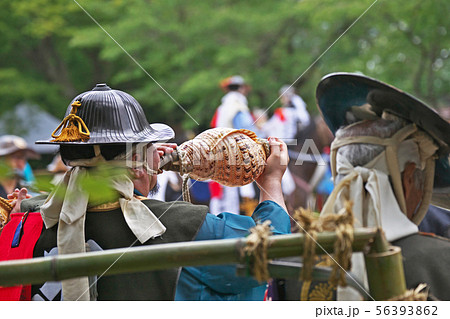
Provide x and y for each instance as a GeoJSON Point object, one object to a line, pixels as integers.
{"type": "Point", "coordinates": [228, 156]}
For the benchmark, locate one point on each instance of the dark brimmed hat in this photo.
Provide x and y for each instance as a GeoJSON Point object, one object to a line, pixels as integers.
{"type": "Point", "coordinates": [236, 80]}
{"type": "Point", "coordinates": [345, 98]}
{"type": "Point", "coordinates": [107, 116]}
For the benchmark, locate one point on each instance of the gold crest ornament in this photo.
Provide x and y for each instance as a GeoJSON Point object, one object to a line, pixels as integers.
{"type": "Point", "coordinates": [72, 127]}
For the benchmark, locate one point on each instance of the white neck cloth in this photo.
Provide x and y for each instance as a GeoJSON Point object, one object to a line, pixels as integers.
{"type": "Point", "coordinates": [374, 201]}
{"type": "Point", "coordinates": [67, 206]}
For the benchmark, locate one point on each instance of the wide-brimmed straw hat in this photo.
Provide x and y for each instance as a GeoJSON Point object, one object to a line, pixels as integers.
{"type": "Point", "coordinates": [345, 98]}
{"type": "Point", "coordinates": [10, 144]}
{"type": "Point", "coordinates": [106, 116]}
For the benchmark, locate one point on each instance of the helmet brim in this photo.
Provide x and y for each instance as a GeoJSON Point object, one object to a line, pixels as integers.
{"type": "Point", "coordinates": [157, 132]}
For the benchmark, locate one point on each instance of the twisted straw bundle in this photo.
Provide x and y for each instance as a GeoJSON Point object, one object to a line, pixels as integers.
{"type": "Point", "coordinates": [5, 210]}
{"type": "Point", "coordinates": [342, 224]}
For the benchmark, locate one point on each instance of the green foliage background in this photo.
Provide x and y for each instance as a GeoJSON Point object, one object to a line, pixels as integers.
{"type": "Point", "coordinates": [51, 50]}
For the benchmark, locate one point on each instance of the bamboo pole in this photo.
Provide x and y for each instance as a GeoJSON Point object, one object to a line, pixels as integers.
{"type": "Point", "coordinates": [157, 257]}
{"type": "Point", "coordinates": [385, 272]}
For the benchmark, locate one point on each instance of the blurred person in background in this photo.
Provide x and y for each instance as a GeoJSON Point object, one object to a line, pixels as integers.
{"type": "Point", "coordinates": [285, 123]}
{"type": "Point", "coordinates": [167, 179]}
{"type": "Point", "coordinates": [14, 153]}
{"type": "Point", "coordinates": [290, 118]}
{"type": "Point", "coordinates": [233, 112]}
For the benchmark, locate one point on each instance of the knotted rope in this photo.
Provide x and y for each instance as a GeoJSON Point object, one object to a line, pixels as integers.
{"type": "Point", "coordinates": [310, 226]}
{"type": "Point", "coordinates": [342, 224]}
{"type": "Point", "coordinates": [418, 294]}
{"type": "Point", "coordinates": [256, 246]}
{"type": "Point", "coordinates": [72, 127]}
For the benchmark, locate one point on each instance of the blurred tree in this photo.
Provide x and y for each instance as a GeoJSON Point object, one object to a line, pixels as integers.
{"type": "Point", "coordinates": [37, 62]}
{"type": "Point", "coordinates": [53, 50]}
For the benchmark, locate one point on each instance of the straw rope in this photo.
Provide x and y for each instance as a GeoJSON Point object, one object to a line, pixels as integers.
{"type": "Point", "coordinates": [418, 294]}
{"type": "Point", "coordinates": [342, 224]}
{"type": "Point", "coordinates": [257, 243]}
{"type": "Point", "coordinates": [310, 226]}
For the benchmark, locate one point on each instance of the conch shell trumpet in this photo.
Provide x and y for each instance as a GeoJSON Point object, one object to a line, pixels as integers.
{"type": "Point", "coordinates": [228, 156]}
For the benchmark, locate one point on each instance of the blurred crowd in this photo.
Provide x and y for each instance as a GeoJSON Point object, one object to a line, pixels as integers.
{"type": "Point", "coordinates": [305, 182]}
{"type": "Point", "coordinates": [288, 121]}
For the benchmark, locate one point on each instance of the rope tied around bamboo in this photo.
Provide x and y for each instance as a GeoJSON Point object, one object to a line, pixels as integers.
{"type": "Point", "coordinates": [256, 246]}
{"type": "Point", "coordinates": [418, 294]}
{"type": "Point", "coordinates": [342, 224]}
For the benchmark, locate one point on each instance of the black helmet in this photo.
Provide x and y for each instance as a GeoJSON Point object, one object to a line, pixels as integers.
{"type": "Point", "coordinates": [106, 116]}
